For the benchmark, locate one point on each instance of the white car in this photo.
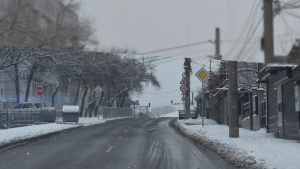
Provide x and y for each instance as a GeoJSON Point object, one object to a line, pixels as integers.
{"type": "Point", "coordinates": [28, 106]}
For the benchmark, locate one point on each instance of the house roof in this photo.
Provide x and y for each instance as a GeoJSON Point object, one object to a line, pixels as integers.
{"type": "Point", "coordinates": [272, 69]}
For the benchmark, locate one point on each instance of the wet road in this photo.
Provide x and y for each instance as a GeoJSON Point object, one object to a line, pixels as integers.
{"type": "Point", "coordinates": [127, 143]}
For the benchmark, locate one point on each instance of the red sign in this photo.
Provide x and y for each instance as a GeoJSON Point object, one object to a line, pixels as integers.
{"type": "Point", "coordinates": [39, 90]}
{"type": "Point", "coordinates": [183, 88]}
{"type": "Point", "coordinates": [183, 81]}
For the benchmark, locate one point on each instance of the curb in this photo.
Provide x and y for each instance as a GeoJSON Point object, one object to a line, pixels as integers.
{"type": "Point", "coordinates": [246, 162]}
{"type": "Point", "coordinates": [22, 142]}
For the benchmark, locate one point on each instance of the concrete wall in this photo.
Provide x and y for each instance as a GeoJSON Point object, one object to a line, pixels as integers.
{"type": "Point", "coordinates": [246, 124]}
{"type": "Point", "coordinates": [255, 123]}
{"type": "Point", "coordinates": [225, 110]}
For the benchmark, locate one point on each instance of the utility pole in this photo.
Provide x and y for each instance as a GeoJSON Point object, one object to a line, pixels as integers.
{"type": "Point", "coordinates": [268, 31]}
{"type": "Point", "coordinates": [210, 67]}
{"type": "Point", "coordinates": [217, 43]}
{"type": "Point", "coordinates": [233, 100]}
{"type": "Point", "coordinates": [187, 67]}
{"type": "Point", "coordinates": [192, 98]}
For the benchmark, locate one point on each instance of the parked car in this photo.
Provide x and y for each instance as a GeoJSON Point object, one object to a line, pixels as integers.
{"type": "Point", "coordinates": [29, 106]}
{"type": "Point", "coordinates": [182, 114]}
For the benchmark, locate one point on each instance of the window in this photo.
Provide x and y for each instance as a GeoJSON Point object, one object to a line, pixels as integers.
{"type": "Point", "coordinates": [18, 106]}
{"type": "Point", "coordinates": [38, 105]}
{"type": "Point", "coordinates": [27, 105]}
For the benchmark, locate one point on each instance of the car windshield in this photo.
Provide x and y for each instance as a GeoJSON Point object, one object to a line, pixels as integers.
{"type": "Point", "coordinates": [38, 105]}
{"type": "Point", "coordinates": [18, 106]}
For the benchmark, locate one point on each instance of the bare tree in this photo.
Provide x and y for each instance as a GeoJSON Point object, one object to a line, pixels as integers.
{"type": "Point", "coordinates": [44, 24]}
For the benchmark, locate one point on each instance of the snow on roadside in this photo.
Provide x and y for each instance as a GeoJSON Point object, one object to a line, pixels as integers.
{"type": "Point", "coordinates": [256, 148]}
{"type": "Point", "coordinates": [19, 133]}
{"type": "Point", "coordinates": [16, 134]}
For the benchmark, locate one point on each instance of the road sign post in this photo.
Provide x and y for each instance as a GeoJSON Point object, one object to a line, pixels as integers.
{"type": "Point", "coordinates": [183, 88]}
{"type": "Point", "coordinates": [39, 91]}
{"type": "Point", "coordinates": [202, 75]}
{"type": "Point", "coordinates": [183, 81]}
{"type": "Point", "coordinates": [98, 89]}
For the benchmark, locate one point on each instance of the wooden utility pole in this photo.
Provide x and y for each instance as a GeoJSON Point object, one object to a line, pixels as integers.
{"type": "Point", "coordinates": [187, 67]}
{"type": "Point", "coordinates": [268, 31]}
{"type": "Point", "coordinates": [217, 43]}
{"type": "Point", "coordinates": [233, 100]}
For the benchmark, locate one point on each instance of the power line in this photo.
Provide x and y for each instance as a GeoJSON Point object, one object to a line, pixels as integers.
{"type": "Point", "coordinates": [162, 92]}
{"type": "Point", "coordinates": [178, 47]}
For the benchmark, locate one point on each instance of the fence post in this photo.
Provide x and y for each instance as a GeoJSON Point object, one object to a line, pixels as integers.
{"type": "Point", "coordinates": [26, 117]}
{"type": "Point", "coordinates": [41, 116]}
{"type": "Point", "coordinates": [0, 119]}
{"type": "Point", "coordinates": [7, 120]}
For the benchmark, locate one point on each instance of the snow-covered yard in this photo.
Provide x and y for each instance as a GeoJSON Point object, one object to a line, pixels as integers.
{"type": "Point", "coordinates": [257, 147]}
{"type": "Point", "coordinates": [20, 133]}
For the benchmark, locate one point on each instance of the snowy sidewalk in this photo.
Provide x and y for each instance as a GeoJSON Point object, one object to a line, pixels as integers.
{"type": "Point", "coordinates": [21, 133]}
{"type": "Point", "coordinates": [257, 149]}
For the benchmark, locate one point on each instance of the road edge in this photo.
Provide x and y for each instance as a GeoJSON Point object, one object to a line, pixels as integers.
{"type": "Point", "coordinates": [21, 142]}
{"type": "Point", "coordinates": [245, 162]}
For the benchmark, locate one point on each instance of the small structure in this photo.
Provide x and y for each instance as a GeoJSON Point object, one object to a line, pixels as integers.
{"type": "Point", "coordinates": [71, 114]}
{"type": "Point", "coordinates": [282, 118]}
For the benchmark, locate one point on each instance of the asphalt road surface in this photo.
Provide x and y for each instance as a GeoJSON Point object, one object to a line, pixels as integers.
{"type": "Point", "coordinates": [127, 143]}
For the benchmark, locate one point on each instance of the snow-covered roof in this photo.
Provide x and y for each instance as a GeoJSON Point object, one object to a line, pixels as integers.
{"type": "Point", "coordinates": [226, 80]}
{"type": "Point", "coordinates": [276, 65]}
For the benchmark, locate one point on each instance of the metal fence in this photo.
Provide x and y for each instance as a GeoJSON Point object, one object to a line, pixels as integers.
{"type": "Point", "coordinates": [10, 119]}
{"type": "Point", "coordinates": [113, 113]}
{"type": "Point", "coordinates": [19, 118]}
{"type": "Point", "coordinates": [246, 111]}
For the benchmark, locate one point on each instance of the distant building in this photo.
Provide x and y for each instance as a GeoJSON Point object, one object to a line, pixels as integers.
{"type": "Point", "coordinates": [292, 57]}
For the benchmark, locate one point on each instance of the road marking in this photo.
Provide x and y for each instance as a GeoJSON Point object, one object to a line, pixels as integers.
{"type": "Point", "coordinates": [109, 148]}
{"type": "Point", "coordinates": [119, 137]}
{"type": "Point", "coordinates": [125, 131]}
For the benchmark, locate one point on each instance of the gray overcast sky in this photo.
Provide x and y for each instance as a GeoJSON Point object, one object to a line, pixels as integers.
{"type": "Point", "coordinates": [159, 24]}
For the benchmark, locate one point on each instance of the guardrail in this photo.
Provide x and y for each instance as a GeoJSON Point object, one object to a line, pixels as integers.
{"type": "Point", "coordinates": [19, 118]}
{"type": "Point", "coordinates": [113, 113]}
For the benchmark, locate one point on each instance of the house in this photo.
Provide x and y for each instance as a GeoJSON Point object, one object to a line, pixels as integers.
{"type": "Point", "coordinates": [282, 118]}
{"type": "Point", "coordinates": [292, 57]}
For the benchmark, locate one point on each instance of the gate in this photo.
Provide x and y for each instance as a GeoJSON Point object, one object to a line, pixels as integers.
{"type": "Point", "coordinates": [290, 116]}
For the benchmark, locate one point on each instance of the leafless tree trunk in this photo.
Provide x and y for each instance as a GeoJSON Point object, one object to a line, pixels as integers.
{"type": "Point", "coordinates": [92, 104]}
{"type": "Point", "coordinates": [78, 86]}
{"type": "Point", "coordinates": [99, 103]}
{"type": "Point", "coordinates": [82, 103]}
{"type": "Point", "coordinates": [31, 74]}
{"type": "Point", "coordinates": [54, 93]}
{"type": "Point", "coordinates": [123, 100]}
{"type": "Point", "coordinates": [17, 83]}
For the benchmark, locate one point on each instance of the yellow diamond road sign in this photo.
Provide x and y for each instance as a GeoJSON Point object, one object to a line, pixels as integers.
{"type": "Point", "coordinates": [202, 74]}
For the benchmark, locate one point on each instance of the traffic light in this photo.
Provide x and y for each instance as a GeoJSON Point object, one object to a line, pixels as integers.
{"type": "Point", "coordinates": [171, 101]}
{"type": "Point", "coordinates": [149, 104]}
